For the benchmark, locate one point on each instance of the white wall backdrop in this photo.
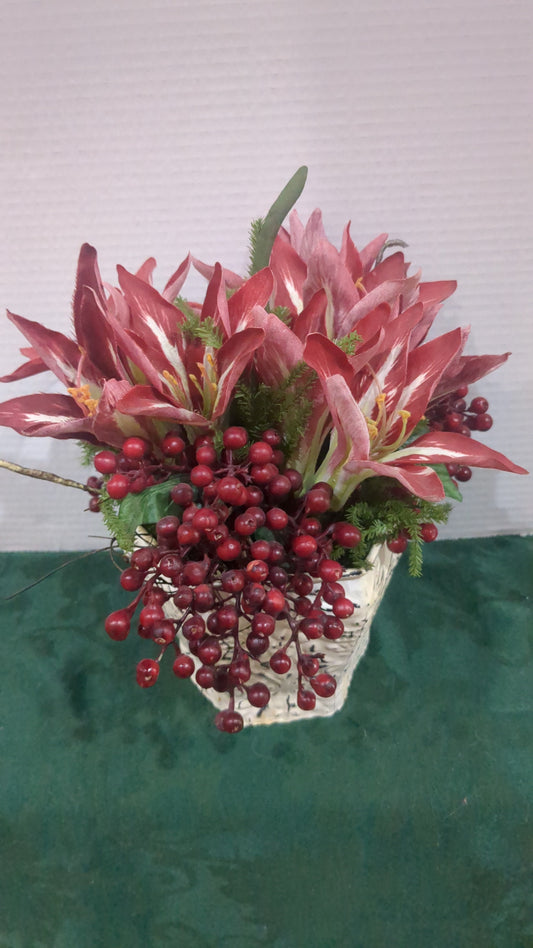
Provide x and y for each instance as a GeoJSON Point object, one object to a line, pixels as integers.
{"type": "Point", "coordinates": [150, 127]}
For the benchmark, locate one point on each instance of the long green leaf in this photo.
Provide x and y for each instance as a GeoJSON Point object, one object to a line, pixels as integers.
{"type": "Point", "coordinates": [264, 239]}
{"type": "Point", "coordinates": [450, 488]}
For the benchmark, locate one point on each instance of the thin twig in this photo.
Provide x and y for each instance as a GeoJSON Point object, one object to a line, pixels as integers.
{"type": "Point", "coordinates": [75, 559]}
{"type": "Point", "coordinates": [42, 475]}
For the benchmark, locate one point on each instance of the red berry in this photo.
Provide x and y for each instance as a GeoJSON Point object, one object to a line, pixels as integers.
{"type": "Point", "coordinates": [397, 544]}
{"type": "Point", "coordinates": [304, 546]}
{"type": "Point", "coordinates": [147, 672]}
{"type": "Point", "coordinates": [150, 615]}
{"type": "Point", "coordinates": [263, 623]}
{"type": "Point", "coordinates": [260, 453]}
{"type": "Point", "coordinates": [231, 491]}
{"type": "Point", "coordinates": [263, 473]}
{"type": "Point", "coordinates": [205, 519]}
{"type": "Point", "coordinates": [167, 526]}
{"type": "Point", "coordinates": [182, 494]}
{"type": "Point", "coordinates": [193, 628]}
{"type": "Point", "coordinates": [280, 663]}
{"type": "Point", "coordinates": [428, 532]}
{"type": "Point", "coordinates": [229, 549]}
{"type": "Point", "coordinates": [334, 628]}
{"type": "Point", "coordinates": [229, 721]}
{"type": "Point", "coordinates": [172, 445]}
{"type": "Point", "coordinates": [204, 597]}
{"type": "Point", "coordinates": [453, 421]}
{"type": "Point", "coordinates": [117, 625]}
{"type": "Point", "coordinates": [227, 618]}
{"type": "Point", "coordinates": [105, 462]}
{"type": "Point", "coordinates": [258, 695]}
{"type": "Point", "coordinates": [479, 405]}
{"type": "Point", "coordinates": [118, 486]}
{"type": "Point", "coordinates": [233, 581]}
{"type": "Point", "coordinates": [163, 632]}
{"type": "Point", "coordinates": [463, 473]}
{"type": "Point", "coordinates": [234, 438]}
{"type": "Point", "coordinates": [170, 565]}
{"type": "Point", "coordinates": [330, 570]}
{"type": "Point", "coordinates": [187, 534]}
{"type": "Point", "coordinates": [306, 700]}
{"type": "Point", "coordinates": [201, 475]}
{"type": "Point", "coordinates": [239, 670]}
{"type": "Point", "coordinates": [257, 644]}
{"type": "Point", "coordinates": [272, 437]}
{"type": "Point", "coordinates": [183, 597]}
{"type": "Point", "coordinates": [135, 448]}
{"type": "Point", "coordinates": [205, 454]}
{"type": "Point", "coordinates": [276, 518]}
{"type": "Point", "coordinates": [245, 524]}
{"type": "Point", "coordinates": [260, 550]}
{"type": "Point", "coordinates": [205, 677]}
{"type": "Point", "coordinates": [461, 391]}
{"type": "Point", "coordinates": [484, 422]}
{"type": "Point", "coordinates": [274, 602]}
{"type": "Point", "coordinates": [131, 579]}
{"type": "Point", "coordinates": [279, 486]}
{"type": "Point", "coordinates": [309, 665]}
{"type": "Point", "coordinates": [295, 478]}
{"type": "Point", "coordinates": [343, 608]}
{"type": "Point", "coordinates": [257, 570]}
{"type": "Point", "coordinates": [317, 501]}
{"type": "Point", "coordinates": [183, 666]}
{"type": "Point", "coordinates": [324, 685]}
{"type": "Point", "coordinates": [209, 651]}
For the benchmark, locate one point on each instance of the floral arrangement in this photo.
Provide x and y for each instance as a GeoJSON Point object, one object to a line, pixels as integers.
{"type": "Point", "coordinates": [264, 440]}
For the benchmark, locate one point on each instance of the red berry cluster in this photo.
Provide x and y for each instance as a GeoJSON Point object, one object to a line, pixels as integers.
{"type": "Point", "coordinates": [452, 414]}
{"type": "Point", "coordinates": [245, 550]}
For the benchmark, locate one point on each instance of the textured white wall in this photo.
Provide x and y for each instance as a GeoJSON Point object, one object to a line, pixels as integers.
{"type": "Point", "coordinates": [155, 126]}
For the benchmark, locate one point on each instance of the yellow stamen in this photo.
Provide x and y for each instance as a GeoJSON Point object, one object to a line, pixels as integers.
{"type": "Point", "coordinates": [210, 359]}
{"type": "Point", "coordinates": [82, 396]}
{"type": "Point", "coordinates": [360, 285]}
{"type": "Point", "coordinates": [405, 416]}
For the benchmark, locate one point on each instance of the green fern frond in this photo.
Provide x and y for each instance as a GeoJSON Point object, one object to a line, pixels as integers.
{"type": "Point", "coordinates": [283, 313]}
{"type": "Point", "coordinates": [117, 528]}
{"type": "Point", "coordinates": [286, 408]}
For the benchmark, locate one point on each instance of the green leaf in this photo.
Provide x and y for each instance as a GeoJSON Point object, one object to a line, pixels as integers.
{"type": "Point", "coordinates": [264, 233]}
{"type": "Point", "coordinates": [450, 488]}
{"type": "Point", "coordinates": [147, 507]}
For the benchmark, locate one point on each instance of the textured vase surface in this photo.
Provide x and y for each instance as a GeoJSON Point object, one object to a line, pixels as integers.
{"type": "Point", "coordinates": [339, 657]}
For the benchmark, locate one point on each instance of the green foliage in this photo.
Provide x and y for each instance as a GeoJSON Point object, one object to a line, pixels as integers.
{"type": "Point", "coordinates": [382, 518]}
{"type": "Point", "coordinates": [120, 531]}
{"type": "Point", "coordinates": [197, 328]}
{"type": "Point", "coordinates": [255, 233]}
{"type": "Point", "coordinates": [450, 487]}
{"type": "Point", "coordinates": [123, 517]}
{"type": "Point", "coordinates": [264, 231]}
{"type": "Point", "coordinates": [286, 408]}
{"type": "Point", "coordinates": [348, 343]}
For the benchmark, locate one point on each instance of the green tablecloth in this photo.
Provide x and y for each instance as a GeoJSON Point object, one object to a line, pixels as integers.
{"type": "Point", "coordinates": [126, 819]}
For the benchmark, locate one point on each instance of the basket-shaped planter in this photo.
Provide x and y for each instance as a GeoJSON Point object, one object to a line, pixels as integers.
{"type": "Point", "coordinates": [339, 657]}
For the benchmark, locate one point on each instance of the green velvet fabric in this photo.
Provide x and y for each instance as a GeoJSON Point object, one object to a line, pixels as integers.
{"type": "Point", "coordinates": [126, 819]}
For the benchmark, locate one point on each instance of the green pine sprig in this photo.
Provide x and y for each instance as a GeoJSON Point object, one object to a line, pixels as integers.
{"type": "Point", "coordinates": [383, 519]}
{"type": "Point", "coordinates": [286, 408]}
{"type": "Point", "coordinates": [195, 327]}
{"type": "Point", "coordinates": [348, 343]}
